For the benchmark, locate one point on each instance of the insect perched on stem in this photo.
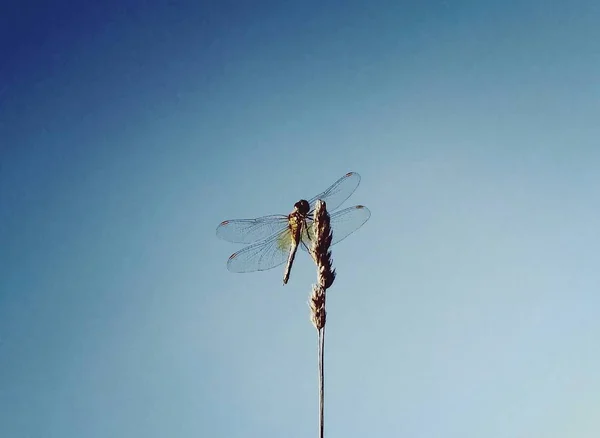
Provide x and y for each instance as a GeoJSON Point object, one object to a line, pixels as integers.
{"type": "Point", "coordinates": [275, 239]}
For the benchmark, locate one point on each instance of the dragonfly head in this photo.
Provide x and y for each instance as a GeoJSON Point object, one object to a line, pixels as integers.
{"type": "Point", "coordinates": [302, 207]}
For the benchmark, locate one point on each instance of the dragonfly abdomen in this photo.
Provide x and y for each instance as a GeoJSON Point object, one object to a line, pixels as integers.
{"type": "Point", "coordinates": [295, 223]}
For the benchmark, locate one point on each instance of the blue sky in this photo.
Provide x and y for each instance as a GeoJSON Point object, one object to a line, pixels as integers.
{"type": "Point", "coordinates": [465, 307]}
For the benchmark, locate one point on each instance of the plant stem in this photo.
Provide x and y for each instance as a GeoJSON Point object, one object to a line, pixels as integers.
{"type": "Point", "coordinates": [321, 341]}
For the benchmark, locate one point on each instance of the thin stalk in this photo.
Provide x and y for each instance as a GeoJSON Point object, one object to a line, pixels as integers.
{"type": "Point", "coordinates": [325, 277]}
{"type": "Point", "coordinates": [321, 337]}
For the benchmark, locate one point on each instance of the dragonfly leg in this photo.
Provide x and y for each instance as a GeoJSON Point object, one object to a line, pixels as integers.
{"type": "Point", "coordinates": [307, 230]}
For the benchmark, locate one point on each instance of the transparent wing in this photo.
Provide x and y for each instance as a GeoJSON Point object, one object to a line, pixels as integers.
{"type": "Point", "coordinates": [254, 230]}
{"type": "Point", "coordinates": [341, 190]}
{"type": "Point", "coordinates": [262, 255]}
{"type": "Point", "coordinates": [251, 230]}
{"type": "Point", "coordinates": [343, 223]}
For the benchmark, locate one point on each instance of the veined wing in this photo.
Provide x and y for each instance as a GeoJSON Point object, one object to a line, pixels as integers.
{"type": "Point", "coordinates": [339, 191]}
{"type": "Point", "coordinates": [343, 223]}
{"type": "Point", "coordinates": [251, 230]}
{"type": "Point", "coordinates": [262, 255]}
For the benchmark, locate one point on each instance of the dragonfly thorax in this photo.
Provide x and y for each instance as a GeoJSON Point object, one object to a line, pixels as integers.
{"type": "Point", "coordinates": [302, 207]}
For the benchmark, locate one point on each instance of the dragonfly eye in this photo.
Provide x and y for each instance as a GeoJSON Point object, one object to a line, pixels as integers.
{"type": "Point", "coordinates": [302, 206]}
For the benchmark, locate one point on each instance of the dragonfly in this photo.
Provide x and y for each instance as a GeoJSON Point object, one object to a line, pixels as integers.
{"type": "Point", "coordinates": [274, 239]}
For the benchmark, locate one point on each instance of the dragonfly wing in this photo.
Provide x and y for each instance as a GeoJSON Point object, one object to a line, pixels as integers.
{"type": "Point", "coordinates": [343, 223]}
{"type": "Point", "coordinates": [251, 230]}
{"type": "Point", "coordinates": [340, 190]}
{"type": "Point", "coordinates": [262, 255]}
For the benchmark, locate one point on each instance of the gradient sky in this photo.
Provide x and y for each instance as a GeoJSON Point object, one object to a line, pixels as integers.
{"type": "Point", "coordinates": [466, 307]}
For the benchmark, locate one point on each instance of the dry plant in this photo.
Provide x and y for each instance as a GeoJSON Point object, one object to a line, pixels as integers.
{"type": "Point", "coordinates": [325, 277]}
